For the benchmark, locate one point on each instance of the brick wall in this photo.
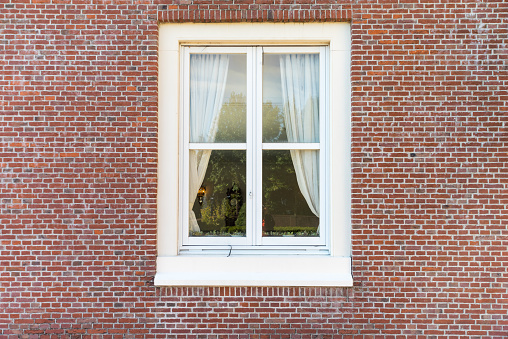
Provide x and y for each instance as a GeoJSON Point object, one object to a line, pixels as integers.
{"type": "Point", "coordinates": [78, 159]}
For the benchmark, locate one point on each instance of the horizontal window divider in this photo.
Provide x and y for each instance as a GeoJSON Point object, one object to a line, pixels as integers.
{"type": "Point", "coordinates": [291, 146]}
{"type": "Point", "coordinates": [217, 146]}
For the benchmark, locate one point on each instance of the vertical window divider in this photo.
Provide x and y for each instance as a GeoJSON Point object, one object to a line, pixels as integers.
{"type": "Point", "coordinates": [250, 156]}
{"type": "Point", "coordinates": [258, 123]}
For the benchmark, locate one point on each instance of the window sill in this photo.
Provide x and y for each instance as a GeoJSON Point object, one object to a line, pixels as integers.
{"type": "Point", "coordinates": [254, 271]}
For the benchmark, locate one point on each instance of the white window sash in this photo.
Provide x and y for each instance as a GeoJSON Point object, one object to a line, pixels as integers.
{"type": "Point", "coordinates": [254, 148]}
{"type": "Point", "coordinates": [322, 239]}
{"type": "Point", "coordinates": [185, 239]}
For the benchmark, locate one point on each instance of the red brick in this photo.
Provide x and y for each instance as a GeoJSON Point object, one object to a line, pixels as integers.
{"type": "Point", "coordinates": [78, 175]}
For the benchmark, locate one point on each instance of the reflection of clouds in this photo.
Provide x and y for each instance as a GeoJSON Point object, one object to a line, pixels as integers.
{"type": "Point", "coordinates": [271, 80]}
{"type": "Point", "coordinates": [272, 93]}
{"type": "Point", "coordinates": [237, 78]}
{"type": "Point", "coordinates": [237, 75]}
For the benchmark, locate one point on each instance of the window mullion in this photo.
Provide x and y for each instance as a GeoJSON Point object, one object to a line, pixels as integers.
{"type": "Point", "coordinates": [258, 123]}
{"type": "Point", "coordinates": [251, 155]}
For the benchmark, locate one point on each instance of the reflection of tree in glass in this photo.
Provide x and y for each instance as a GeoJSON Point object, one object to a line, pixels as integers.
{"type": "Point", "coordinates": [281, 194]}
{"type": "Point", "coordinates": [278, 182]}
{"type": "Point", "coordinates": [226, 169]}
{"type": "Point", "coordinates": [226, 178]}
{"type": "Point", "coordinates": [273, 123]}
{"type": "Point", "coordinates": [232, 119]}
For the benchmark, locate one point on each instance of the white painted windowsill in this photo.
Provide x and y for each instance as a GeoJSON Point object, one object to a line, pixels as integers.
{"type": "Point", "coordinates": [253, 271]}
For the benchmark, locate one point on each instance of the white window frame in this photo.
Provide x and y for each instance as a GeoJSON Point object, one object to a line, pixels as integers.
{"type": "Point", "coordinates": [296, 267]}
{"type": "Point", "coordinates": [254, 146]}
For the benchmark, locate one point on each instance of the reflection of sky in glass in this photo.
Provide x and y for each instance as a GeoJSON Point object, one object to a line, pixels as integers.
{"type": "Point", "coordinates": [237, 76]}
{"type": "Point", "coordinates": [271, 80]}
{"type": "Point", "coordinates": [273, 120]}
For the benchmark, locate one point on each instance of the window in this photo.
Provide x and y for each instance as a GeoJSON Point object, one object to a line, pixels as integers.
{"type": "Point", "coordinates": [254, 178]}
{"type": "Point", "coordinates": [254, 158]}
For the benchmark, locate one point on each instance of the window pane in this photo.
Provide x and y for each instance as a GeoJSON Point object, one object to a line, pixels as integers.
{"type": "Point", "coordinates": [218, 97]}
{"type": "Point", "coordinates": [219, 202]}
{"type": "Point", "coordinates": [291, 98]}
{"type": "Point", "coordinates": [290, 205]}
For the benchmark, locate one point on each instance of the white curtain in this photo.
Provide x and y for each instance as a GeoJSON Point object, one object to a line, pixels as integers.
{"type": "Point", "coordinates": [208, 75]}
{"type": "Point", "coordinates": [300, 94]}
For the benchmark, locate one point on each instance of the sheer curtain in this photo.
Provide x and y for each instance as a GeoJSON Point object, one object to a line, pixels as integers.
{"type": "Point", "coordinates": [208, 75]}
{"type": "Point", "coordinates": [300, 94]}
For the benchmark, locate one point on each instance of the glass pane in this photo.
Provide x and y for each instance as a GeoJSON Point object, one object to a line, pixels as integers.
{"type": "Point", "coordinates": [291, 98]}
{"type": "Point", "coordinates": [219, 202]}
{"type": "Point", "coordinates": [218, 97]}
{"type": "Point", "coordinates": [286, 212]}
